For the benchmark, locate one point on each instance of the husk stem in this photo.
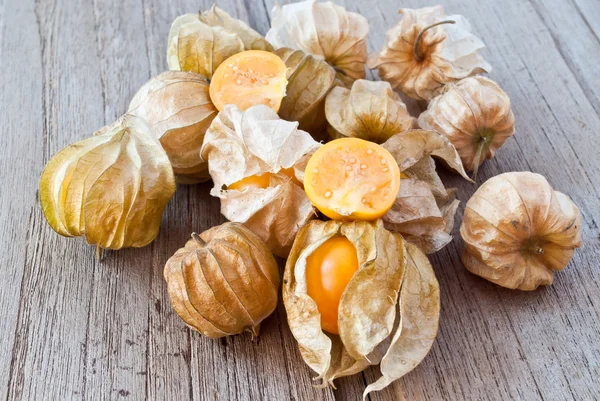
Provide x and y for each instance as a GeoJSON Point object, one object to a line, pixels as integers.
{"type": "Point", "coordinates": [418, 56]}
{"type": "Point", "coordinates": [198, 240]}
{"type": "Point", "coordinates": [98, 253]}
{"type": "Point", "coordinates": [484, 138]}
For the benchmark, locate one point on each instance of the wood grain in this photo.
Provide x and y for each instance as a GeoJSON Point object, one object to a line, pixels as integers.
{"type": "Point", "coordinates": [73, 328]}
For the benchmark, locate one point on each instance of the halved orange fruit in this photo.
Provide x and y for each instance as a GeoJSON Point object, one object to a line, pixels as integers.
{"type": "Point", "coordinates": [248, 78]}
{"type": "Point", "coordinates": [352, 179]}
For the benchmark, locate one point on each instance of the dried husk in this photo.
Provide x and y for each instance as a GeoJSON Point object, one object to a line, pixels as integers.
{"type": "Point", "coordinates": [445, 54]}
{"type": "Point", "coordinates": [419, 318]}
{"type": "Point", "coordinates": [223, 282]}
{"type": "Point", "coordinates": [370, 110]}
{"type": "Point", "coordinates": [325, 30]}
{"type": "Point", "coordinates": [111, 188]}
{"type": "Point", "coordinates": [475, 115]}
{"type": "Point", "coordinates": [201, 42]}
{"type": "Point", "coordinates": [309, 81]}
{"type": "Point", "coordinates": [424, 209]}
{"type": "Point", "coordinates": [518, 231]}
{"type": "Point", "coordinates": [256, 141]}
{"type": "Point", "coordinates": [367, 308]}
{"type": "Point", "coordinates": [177, 106]}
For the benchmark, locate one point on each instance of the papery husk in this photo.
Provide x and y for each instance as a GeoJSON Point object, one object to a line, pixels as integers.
{"type": "Point", "coordinates": [419, 319]}
{"type": "Point", "coordinates": [370, 110]}
{"type": "Point", "coordinates": [367, 308]}
{"type": "Point", "coordinates": [518, 231]}
{"type": "Point", "coordinates": [201, 42]}
{"type": "Point", "coordinates": [325, 30]}
{"type": "Point", "coordinates": [256, 141]}
{"type": "Point", "coordinates": [475, 115]}
{"type": "Point", "coordinates": [223, 282]}
{"type": "Point", "coordinates": [177, 106]}
{"type": "Point", "coordinates": [309, 81]}
{"type": "Point", "coordinates": [111, 188]}
{"type": "Point", "coordinates": [424, 209]}
{"type": "Point", "coordinates": [449, 52]}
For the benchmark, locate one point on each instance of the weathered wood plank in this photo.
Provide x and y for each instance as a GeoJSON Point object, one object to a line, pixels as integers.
{"type": "Point", "coordinates": [49, 348]}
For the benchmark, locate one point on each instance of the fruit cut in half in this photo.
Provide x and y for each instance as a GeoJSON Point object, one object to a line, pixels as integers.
{"type": "Point", "coordinates": [352, 179]}
{"type": "Point", "coordinates": [248, 78]}
{"type": "Point", "coordinates": [328, 271]}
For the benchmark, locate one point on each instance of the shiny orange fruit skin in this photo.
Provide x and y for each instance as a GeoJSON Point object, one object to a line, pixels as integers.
{"type": "Point", "coordinates": [261, 181]}
{"type": "Point", "coordinates": [248, 78]}
{"type": "Point", "coordinates": [328, 270]}
{"type": "Point", "coordinates": [352, 179]}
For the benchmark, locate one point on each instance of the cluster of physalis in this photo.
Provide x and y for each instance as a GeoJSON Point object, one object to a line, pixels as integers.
{"type": "Point", "coordinates": [353, 216]}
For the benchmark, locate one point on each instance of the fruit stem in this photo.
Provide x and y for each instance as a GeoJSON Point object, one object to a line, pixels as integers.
{"type": "Point", "coordinates": [199, 240]}
{"type": "Point", "coordinates": [418, 56]}
{"type": "Point", "coordinates": [98, 253]}
{"type": "Point", "coordinates": [483, 142]}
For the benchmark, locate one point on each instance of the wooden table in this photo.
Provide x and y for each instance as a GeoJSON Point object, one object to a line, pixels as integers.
{"type": "Point", "coordinates": [72, 328]}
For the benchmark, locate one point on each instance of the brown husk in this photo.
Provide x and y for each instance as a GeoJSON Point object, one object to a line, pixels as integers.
{"type": "Point", "coordinates": [448, 52]}
{"type": "Point", "coordinates": [201, 42]}
{"type": "Point", "coordinates": [177, 106]}
{"type": "Point", "coordinates": [256, 141]}
{"type": "Point", "coordinates": [369, 110]}
{"type": "Point", "coordinates": [424, 209]}
{"type": "Point", "coordinates": [518, 231]}
{"type": "Point", "coordinates": [475, 115]}
{"type": "Point", "coordinates": [309, 81]}
{"type": "Point", "coordinates": [223, 282]}
{"type": "Point", "coordinates": [325, 30]}
{"type": "Point", "coordinates": [111, 188]}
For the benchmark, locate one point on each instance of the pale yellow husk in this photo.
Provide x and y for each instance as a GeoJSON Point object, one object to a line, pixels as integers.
{"type": "Point", "coordinates": [371, 329]}
{"type": "Point", "coordinates": [177, 106]}
{"type": "Point", "coordinates": [449, 52]}
{"type": "Point", "coordinates": [424, 209]}
{"type": "Point", "coordinates": [256, 141]}
{"type": "Point", "coordinates": [472, 113]}
{"type": "Point", "coordinates": [111, 188]}
{"type": "Point", "coordinates": [325, 30]}
{"type": "Point", "coordinates": [517, 231]}
{"type": "Point", "coordinates": [201, 42]}
{"type": "Point", "coordinates": [224, 282]}
{"type": "Point", "coordinates": [309, 81]}
{"type": "Point", "coordinates": [369, 110]}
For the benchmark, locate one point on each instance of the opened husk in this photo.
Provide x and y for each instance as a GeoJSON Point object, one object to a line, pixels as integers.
{"type": "Point", "coordinates": [177, 106]}
{"type": "Point", "coordinates": [253, 142]}
{"type": "Point", "coordinates": [518, 231]}
{"type": "Point", "coordinates": [371, 330]}
{"type": "Point", "coordinates": [309, 81]}
{"type": "Point", "coordinates": [201, 42]}
{"type": "Point", "coordinates": [424, 209]}
{"type": "Point", "coordinates": [111, 188]}
{"type": "Point", "coordinates": [223, 282]}
{"type": "Point", "coordinates": [370, 110]}
{"type": "Point", "coordinates": [325, 30]}
{"type": "Point", "coordinates": [475, 115]}
{"type": "Point", "coordinates": [444, 53]}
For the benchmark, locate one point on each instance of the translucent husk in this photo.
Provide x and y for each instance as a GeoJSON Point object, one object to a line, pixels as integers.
{"type": "Point", "coordinates": [370, 327]}
{"type": "Point", "coordinates": [309, 81]}
{"type": "Point", "coordinates": [424, 209]}
{"type": "Point", "coordinates": [325, 30]}
{"type": "Point", "coordinates": [177, 106]}
{"type": "Point", "coordinates": [427, 50]}
{"type": "Point", "coordinates": [111, 188]}
{"type": "Point", "coordinates": [223, 282]}
{"type": "Point", "coordinates": [201, 42]}
{"type": "Point", "coordinates": [475, 115]}
{"type": "Point", "coordinates": [243, 144]}
{"type": "Point", "coordinates": [370, 110]}
{"type": "Point", "coordinates": [518, 231]}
